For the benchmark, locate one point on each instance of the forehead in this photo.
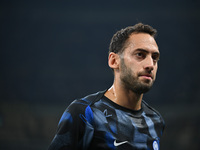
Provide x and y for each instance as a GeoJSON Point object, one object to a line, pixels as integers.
{"type": "Point", "coordinates": [142, 41]}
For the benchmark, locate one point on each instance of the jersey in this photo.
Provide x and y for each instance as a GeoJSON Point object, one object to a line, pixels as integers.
{"type": "Point", "coordinates": [97, 123]}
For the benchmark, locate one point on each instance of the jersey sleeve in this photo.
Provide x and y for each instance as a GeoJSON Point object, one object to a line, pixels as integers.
{"type": "Point", "coordinates": [75, 128]}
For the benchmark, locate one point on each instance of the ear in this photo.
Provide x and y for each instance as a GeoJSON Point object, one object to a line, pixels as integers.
{"type": "Point", "coordinates": [113, 60]}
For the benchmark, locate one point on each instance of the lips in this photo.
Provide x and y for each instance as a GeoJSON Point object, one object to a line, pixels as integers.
{"type": "Point", "coordinates": [147, 76]}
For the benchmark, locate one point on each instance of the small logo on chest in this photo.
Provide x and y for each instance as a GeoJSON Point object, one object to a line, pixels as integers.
{"type": "Point", "coordinates": [119, 143]}
{"type": "Point", "coordinates": [106, 113]}
{"type": "Point", "coordinates": [155, 145]}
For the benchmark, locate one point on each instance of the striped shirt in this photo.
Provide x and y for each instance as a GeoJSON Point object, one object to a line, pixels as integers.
{"type": "Point", "coordinates": [95, 122]}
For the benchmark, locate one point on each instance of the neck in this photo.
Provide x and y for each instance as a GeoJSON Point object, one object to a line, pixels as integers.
{"type": "Point", "coordinates": [124, 97]}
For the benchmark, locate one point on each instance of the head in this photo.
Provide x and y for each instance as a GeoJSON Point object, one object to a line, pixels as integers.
{"type": "Point", "coordinates": [119, 39]}
{"type": "Point", "coordinates": [133, 56]}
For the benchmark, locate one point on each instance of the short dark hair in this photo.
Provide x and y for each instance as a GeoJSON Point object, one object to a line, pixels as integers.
{"type": "Point", "coordinates": [119, 39]}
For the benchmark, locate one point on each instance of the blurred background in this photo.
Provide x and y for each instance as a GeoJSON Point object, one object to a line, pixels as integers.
{"type": "Point", "coordinates": [52, 52]}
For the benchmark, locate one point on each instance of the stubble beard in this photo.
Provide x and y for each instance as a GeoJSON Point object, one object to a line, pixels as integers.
{"type": "Point", "coordinates": [132, 82]}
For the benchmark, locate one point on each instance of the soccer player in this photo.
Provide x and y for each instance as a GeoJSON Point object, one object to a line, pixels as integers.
{"type": "Point", "coordinates": [118, 118]}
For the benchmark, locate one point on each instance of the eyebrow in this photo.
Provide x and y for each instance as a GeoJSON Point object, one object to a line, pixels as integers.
{"type": "Point", "coordinates": [146, 51]}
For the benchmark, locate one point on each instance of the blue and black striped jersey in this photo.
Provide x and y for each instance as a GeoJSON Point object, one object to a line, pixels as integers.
{"type": "Point", "coordinates": [95, 122]}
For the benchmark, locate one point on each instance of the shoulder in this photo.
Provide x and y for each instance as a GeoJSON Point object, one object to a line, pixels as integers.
{"type": "Point", "coordinates": [79, 111]}
{"type": "Point", "coordinates": [94, 97]}
{"type": "Point", "coordinates": [80, 105]}
{"type": "Point", "coordinates": [150, 111]}
{"type": "Point", "coordinates": [153, 116]}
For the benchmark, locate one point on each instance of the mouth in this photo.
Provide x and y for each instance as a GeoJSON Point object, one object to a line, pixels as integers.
{"type": "Point", "coordinates": [147, 76]}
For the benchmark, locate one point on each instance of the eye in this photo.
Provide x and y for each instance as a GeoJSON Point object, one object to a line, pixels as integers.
{"type": "Point", "coordinates": [141, 55]}
{"type": "Point", "coordinates": [155, 57]}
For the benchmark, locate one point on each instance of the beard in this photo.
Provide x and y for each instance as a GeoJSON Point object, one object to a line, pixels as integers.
{"type": "Point", "coordinates": [132, 82]}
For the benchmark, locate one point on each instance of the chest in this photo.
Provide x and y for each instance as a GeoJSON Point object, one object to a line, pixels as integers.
{"type": "Point", "coordinates": [120, 130]}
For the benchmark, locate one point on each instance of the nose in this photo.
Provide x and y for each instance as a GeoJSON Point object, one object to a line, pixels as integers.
{"type": "Point", "coordinates": [149, 64]}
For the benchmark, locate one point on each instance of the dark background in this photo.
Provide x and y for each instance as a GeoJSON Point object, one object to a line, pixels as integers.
{"type": "Point", "coordinates": [54, 52]}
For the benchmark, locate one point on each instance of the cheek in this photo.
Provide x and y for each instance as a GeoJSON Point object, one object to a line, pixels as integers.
{"type": "Point", "coordinates": [155, 70]}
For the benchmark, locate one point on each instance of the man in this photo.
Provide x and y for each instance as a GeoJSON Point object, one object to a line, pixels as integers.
{"type": "Point", "coordinates": [118, 118]}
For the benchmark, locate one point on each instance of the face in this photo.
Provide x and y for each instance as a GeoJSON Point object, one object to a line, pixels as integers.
{"type": "Point", "coordinates": [138, 63]}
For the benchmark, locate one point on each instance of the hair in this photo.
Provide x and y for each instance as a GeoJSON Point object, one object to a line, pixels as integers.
{"type": "Point", "coordinates": [118, 41]}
